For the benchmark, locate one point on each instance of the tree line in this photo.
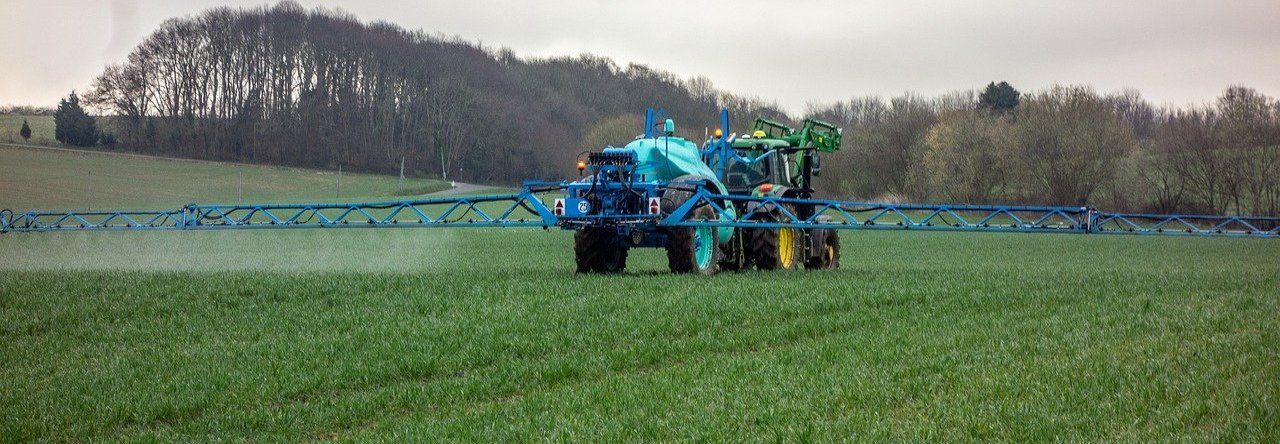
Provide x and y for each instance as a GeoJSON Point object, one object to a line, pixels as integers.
{"type": "Point", "coordinates": [1066, 145]}
{"type": "Point", "coordinates": [316, 88]}
{"type": "Point", "coordinates": [26, 110]}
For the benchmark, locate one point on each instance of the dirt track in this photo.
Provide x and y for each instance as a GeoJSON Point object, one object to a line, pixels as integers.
{"type": "Point", "coordinates": [459, 188]}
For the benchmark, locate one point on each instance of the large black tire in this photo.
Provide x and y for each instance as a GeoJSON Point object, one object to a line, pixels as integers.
{"type": "Point", "coordinates": [766, 251]}
{"type": "Point", "coordinates": [594, 253]}
{"type": "Point", "coordinates": [766, 247]}
{"type": "Point", "coordinates": [683, 244]}
{"type": "Point", "coordinates": [829, 255]}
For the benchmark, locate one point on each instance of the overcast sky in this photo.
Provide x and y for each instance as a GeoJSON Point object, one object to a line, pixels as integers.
{"type": "Point", "coordinates": [795, 52]}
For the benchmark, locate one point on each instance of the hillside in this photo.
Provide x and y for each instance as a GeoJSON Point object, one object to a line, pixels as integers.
{"type": "Point", "coordinates": [284, 85]}
{"type": "Point", "coordinates": [43, 179]}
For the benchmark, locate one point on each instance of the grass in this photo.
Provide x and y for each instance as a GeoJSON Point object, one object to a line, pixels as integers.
{"type": "Point", "coordinates": [423, 334]}
{"type": "Point", "coordinates": [60, 180]}
{"type": "Point", "coordinates": [41, 129]}
{"type": "Point", "coordinates": [488, 335]}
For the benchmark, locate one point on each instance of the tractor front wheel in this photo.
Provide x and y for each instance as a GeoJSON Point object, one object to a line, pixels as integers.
{"type": "Point", "coordinates": [828, 257]}
{"type": "Point", "coordinates": [595, 253]}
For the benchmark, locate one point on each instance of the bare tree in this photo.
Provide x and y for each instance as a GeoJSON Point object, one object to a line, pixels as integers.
{"type": "Point", "coordinates": [1248, 133]}
{"type": "Point", "coordinates": [962, 160]}
{"type": "Point", "coordinates": [1067, 142]}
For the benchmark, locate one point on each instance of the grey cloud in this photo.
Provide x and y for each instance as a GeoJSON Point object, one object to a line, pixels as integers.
{"type": "Point", "coordinates": [1176, 51]}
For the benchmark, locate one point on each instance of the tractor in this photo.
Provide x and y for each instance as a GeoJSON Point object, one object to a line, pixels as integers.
{"type": "Point", "coordinates": [627, 193]}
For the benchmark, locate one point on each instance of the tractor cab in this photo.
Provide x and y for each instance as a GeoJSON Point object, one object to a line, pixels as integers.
{"type": "Point", "coordinates": [760, 161]}
{"type": "Point", "coordinates": [777, 157]}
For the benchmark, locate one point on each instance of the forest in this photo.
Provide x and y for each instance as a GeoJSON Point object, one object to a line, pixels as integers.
{"type": "Point", "coordinates": [317, 88]}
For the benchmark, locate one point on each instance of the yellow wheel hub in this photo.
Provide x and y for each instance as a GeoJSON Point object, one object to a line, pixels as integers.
{"type": "Point", "coordinates": [786, 247]}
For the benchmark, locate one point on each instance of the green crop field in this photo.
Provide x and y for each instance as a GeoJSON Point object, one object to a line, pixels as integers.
{"type": "Point", "coordinates": [488, 335]}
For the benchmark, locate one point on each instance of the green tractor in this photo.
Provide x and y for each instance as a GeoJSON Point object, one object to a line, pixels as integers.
{"type": "Point", "coordinates": [778, 161]}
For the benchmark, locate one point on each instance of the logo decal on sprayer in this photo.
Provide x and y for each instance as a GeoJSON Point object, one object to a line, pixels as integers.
{"type": "Point", "coordinates": [655, 206]}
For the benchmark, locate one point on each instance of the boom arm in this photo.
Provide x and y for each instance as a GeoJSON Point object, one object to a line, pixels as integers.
{"type": "Point", "coordinates": [527, 209]}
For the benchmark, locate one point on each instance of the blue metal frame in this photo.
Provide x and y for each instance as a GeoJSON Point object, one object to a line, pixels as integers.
{"type": "Point", "coordinates": [1188, 224]}
{"type": "Point", "coordinates": [651, 119]}
{"type": "Point", "coordinates": [522, 209]}
{"type": "Point", "coordinates": [837, 214]}
{"type": "Point", "coordinates": [527, 208]}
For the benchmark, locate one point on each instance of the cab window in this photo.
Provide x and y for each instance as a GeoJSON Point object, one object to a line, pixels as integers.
{"type": "Point", "coordinates": [742, 174]}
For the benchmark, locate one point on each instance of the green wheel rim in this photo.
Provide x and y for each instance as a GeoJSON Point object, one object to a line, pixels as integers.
{"type": "Point", "coordinates": [703, 246]}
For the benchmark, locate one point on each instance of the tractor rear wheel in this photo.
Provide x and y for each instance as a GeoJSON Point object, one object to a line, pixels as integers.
{"type": "Point", "coordinates": [594, 251]}
{"type": "Point", "coordinates": [776, 248]}
{"type": "Point", "coordinates": [829, 256]}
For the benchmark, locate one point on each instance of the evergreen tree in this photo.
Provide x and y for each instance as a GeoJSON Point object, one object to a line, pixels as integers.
{"type": "Point", "coordinates": [25, 132]}
{"type": "Point", "coordinates": [999, 97]}
{"type": "Point", "coordinates": [62, 121]}
{"type": "Point", "coordinates": [72, 125]}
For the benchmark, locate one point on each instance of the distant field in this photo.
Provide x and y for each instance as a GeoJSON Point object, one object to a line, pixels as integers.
{"type": "Point", "coordinates": [59, 180]}
{"type": "Point", "coordinates": [41, 129]}
{"type": "Point", "coordinates": [421, 335]}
